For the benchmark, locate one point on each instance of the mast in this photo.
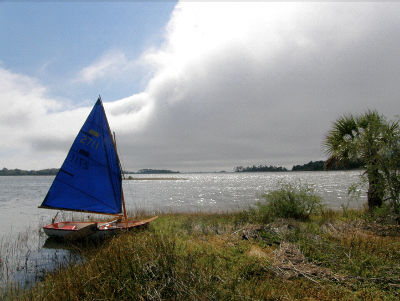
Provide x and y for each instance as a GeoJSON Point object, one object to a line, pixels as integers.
{"type": "Point", "coordinates": [122, 190]}
{"type": "Point", "coordinates": [112, 135]}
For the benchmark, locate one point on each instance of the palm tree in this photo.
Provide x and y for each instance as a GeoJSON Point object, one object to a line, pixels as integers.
{"type": "Point", "coordinates": [360, 138]}
{"type": "Point", "coordinates": [391, 168]}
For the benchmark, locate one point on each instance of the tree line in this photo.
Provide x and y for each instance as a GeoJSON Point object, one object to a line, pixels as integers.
{"type": "Point", "coordinates": [54, 171]}
{"type": "Point", "coordinates": [310, 166]}
{"type": "Point", "coordinates": [19, 172]}
{"type": "Point", "coordinates": [152, 171]}
{"type": "Point", "coordinates": [260, 168]}
{"type": "Point", "coordinates": [320, 165]}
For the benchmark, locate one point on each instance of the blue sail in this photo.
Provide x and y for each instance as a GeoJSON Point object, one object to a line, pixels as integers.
{"type": "Point", "coordinates": [90, 177]}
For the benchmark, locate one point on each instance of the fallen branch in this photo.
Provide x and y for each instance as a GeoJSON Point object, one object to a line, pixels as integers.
{"type": "Point", "coordinates": [304, 274]}
{"type": "Point", "coordinates": [234, 233]}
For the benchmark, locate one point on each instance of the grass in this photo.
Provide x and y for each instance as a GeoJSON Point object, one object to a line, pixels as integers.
{"type": "Point", "coordinates": [333, 255]}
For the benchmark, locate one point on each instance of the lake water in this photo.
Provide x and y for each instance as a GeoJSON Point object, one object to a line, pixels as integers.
{"type": "Point", "coordinates": [20, 197]}
{"type": "Point", "coordinates": [211, 192]}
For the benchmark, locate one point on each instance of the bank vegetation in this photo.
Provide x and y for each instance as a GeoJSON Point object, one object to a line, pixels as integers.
{"type": "Point", "coordinates": [299, 250]}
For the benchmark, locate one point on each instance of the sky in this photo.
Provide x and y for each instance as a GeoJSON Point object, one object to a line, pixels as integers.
{"type": "Point", "coordinates": [193, 86]}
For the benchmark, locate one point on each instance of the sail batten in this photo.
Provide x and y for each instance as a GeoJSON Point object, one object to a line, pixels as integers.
{"type": "Point", "coordinates": [90, 177]}
{"type": "Point", "coordinates": [97, 200]}
{"type": "Point", "coordinates": [82, 211]}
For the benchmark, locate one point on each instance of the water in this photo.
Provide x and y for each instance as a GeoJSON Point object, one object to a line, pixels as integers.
{"type": "Point", "coordinates": [22, 252]}
{"type": "Point", "coordinates": [217, 192]}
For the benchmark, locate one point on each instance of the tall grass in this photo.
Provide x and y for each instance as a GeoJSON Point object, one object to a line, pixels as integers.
{"type": "Point", "coordinates": [289, 200]}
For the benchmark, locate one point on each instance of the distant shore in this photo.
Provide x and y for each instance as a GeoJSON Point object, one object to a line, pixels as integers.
{"type": "Point", "coordinates": [310, 166]}
{"type": "Point", "coordinates": [19, 172]}
{"type": "Point", "coordinates": [153, 179]}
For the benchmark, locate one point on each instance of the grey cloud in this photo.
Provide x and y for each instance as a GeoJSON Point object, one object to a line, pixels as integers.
{"type": "Point", "coordinates": [232, 109]}
{"type": "Point", "coordinates": [50, 144]}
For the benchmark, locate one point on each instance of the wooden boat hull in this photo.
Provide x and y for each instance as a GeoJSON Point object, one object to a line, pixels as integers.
{"type": "Point", "coordinates": [78, 230]}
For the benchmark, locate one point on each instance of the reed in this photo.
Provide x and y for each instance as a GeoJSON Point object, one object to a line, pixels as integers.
{"type": "Point", "coordinates": [26, 257]}
{"type": "Point", "coordinates": [231, 256]}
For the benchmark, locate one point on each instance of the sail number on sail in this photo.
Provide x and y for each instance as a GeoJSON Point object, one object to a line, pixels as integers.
{"type": "Point", "coordinates": [88, 141]}
{"type": "Point", "coordinates": [80, 162]}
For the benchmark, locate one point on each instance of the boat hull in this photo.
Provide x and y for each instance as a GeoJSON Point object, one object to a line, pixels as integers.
{"type": "Point", "coordinates": [77, 230]}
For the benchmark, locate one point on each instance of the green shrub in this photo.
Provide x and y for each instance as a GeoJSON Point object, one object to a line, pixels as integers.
{"type": "Point", "coordinates": [289, 200]}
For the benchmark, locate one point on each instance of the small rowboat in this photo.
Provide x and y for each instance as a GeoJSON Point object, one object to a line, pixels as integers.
{"type": "Point", "coordinates": [78, 230]}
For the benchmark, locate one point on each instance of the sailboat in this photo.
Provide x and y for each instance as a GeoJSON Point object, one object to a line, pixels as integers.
{"type": "Point", "coordinates": [90, 180]}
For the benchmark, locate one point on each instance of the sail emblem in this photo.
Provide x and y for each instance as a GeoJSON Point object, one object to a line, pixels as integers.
{"type": "Point", "coordinates": [94, 133]}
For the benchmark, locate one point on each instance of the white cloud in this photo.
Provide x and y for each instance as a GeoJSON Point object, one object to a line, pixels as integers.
{"type": "Point", "coordinates": [200, 31]}
{"type": "Point", "coordinates": [23, 101]}
{"type": "Point", "coordinates": [131, 114]}
{"type": "Point", "coordinates": [108, 66]}
{"type": "Point", "coordinates": [31, 122]}
{"type": "Point", "coordinates": [112, 65]}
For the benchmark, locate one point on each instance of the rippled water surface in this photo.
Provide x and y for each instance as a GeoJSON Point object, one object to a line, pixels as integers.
{"type": "Point", "coordinates": [230, 191]}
